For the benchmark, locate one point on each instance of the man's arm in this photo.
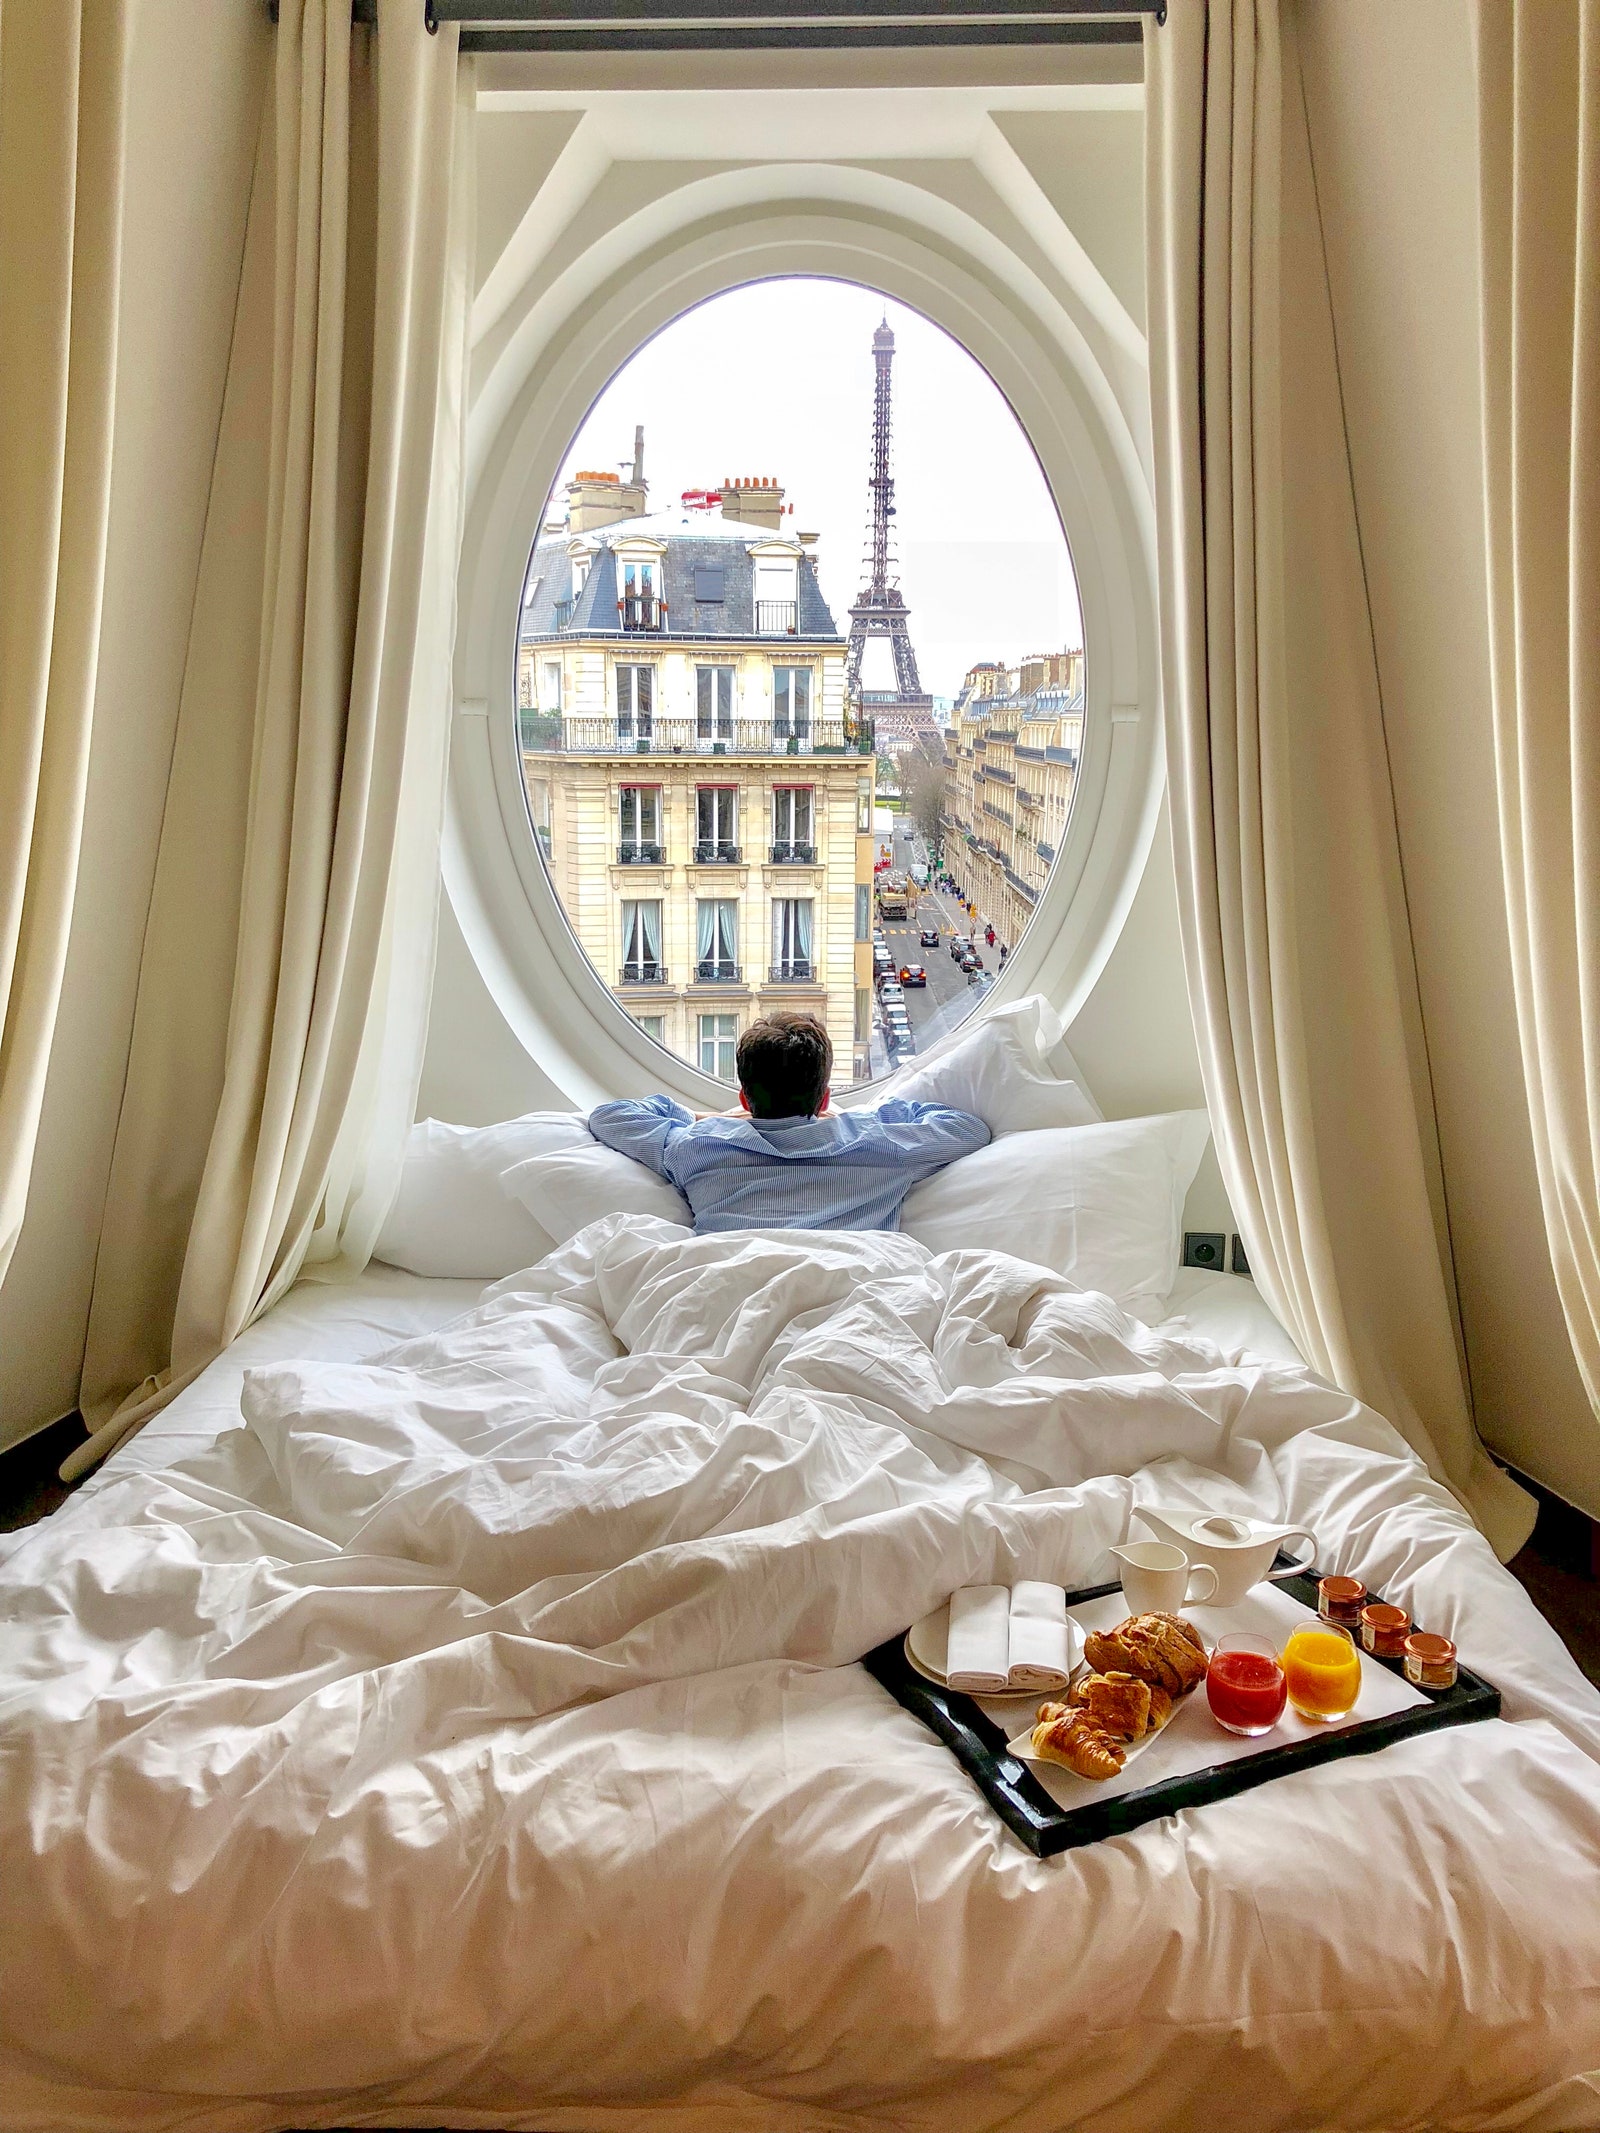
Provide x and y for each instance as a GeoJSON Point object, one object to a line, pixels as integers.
{"type": "Point", "coordinates": [644, 1127]}
{"type": "Point", "coordinates": [936, 1133]}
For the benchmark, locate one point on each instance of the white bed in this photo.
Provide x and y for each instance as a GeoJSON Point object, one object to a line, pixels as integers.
{"type": "Point", "coordinates": [286, 1842]}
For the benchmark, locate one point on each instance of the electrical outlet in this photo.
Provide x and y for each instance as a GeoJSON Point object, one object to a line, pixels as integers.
{"type": "Point", "coordinates": [1205, 1247]}
{"type": "Point", "coordinates": [1239, 1263]}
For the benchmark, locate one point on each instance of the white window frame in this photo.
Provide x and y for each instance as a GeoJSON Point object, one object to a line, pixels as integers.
{"type": "Point", "coordinates": [790, 718]}
{"type": "Point", "coordinates": [716, 702]}
{"type": "Point", "coordinates": [1085, 416]}
{"type": "Point", "coordinates": [651, 813]}
{"type": "Point", "coordinates": [721, 817]}
{"type": "Point", "coordinates": [635, 720]}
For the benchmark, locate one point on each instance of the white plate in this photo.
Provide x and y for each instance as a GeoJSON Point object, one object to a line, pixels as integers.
{"type": "Point", "coordinates": [927, 1647]}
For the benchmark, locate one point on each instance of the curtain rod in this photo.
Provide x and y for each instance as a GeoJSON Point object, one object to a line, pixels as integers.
{"type": "Point", "coordinates": [772, 25]}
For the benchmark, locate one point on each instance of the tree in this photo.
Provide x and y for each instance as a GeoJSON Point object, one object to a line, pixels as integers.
{"type": "Point", "coordinates": [924, 783]}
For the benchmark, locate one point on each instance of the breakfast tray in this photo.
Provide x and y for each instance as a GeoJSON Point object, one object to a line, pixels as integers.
{"type": "Point", "coordinates": [1020, 1798]}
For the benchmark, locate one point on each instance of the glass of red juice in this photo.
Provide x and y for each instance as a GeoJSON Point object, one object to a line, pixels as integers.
{"type": "Point", "coordinates": [1245, 1684]}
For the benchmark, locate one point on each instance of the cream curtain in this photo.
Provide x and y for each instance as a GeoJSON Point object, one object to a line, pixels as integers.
{"type": "Point", "coordinates": [63, 70]}
{"type": "Point", "coordinates": [1296, 942]}
{"type": "Point", "coordinates": [1539, 129]}
{"type": "Point", "coordinates": [262, 1123]}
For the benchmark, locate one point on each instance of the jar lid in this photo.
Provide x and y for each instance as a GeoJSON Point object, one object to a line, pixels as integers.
{"type": "Point", "coordinates": [1381, 1616]}
{"type": "Point", "coordinates": [1343, 1588]}
{"type": "Point", "coordinates": [1423, 1645]}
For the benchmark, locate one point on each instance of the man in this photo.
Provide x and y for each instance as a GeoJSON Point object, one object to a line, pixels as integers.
{"type": "Point", "coordinates": [782, 1160]}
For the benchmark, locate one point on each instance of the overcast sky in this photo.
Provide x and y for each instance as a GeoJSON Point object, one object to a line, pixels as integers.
{"type": "Point", "coordinates": [776, 379]}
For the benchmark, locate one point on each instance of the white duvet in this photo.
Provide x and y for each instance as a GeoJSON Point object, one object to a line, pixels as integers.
{"type": "Point", "coordinates": [471, 1739]}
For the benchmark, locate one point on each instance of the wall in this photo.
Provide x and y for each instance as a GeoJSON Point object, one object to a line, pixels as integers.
{"type": "Point", "coordinates": [1391, 102]}
{"type": "Point", "coordinates": [196, 86]}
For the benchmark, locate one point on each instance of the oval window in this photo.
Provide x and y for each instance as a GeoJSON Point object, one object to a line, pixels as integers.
{"type": "Point", "coordinates": [800, 678]}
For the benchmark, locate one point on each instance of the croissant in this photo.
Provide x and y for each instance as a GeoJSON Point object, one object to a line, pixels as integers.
{"type": "Point", "coordinates": [1162, 1650]}
{"type": "Point", "coordinates": [1119, 1704]}
{"type": "Point", "coordinates": [1072, 1738]}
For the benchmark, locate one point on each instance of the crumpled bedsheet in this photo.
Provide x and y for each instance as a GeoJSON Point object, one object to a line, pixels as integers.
{"type": "Point", "coordinates": [471, 1738]}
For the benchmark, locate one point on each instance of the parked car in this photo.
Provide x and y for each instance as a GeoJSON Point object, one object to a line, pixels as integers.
{"type": "Point", "coordinates": [960, 946]}
{"type": "Point", "coordinates": [971, 961]}
{"type": "Point", "coordinates": [892, 994]}
{"type": "Point", "coordinates": [977, 975]}
{"type": "Point", "coordinates": [901, 1040]}
{"type": "Point", "coordinates": [929, 937]}
{"type": "Point", "coordinates": [913, 974]}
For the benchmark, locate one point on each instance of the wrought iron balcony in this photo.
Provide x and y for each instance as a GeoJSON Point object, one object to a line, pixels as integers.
{"type": "Point", "coordinates": [794, 855]}
{"type": "Point", "coordinates": [777, 618]}
{"type": "Point", "coordinates": [711, 851]}
{"type": "Point", "coordinates": [796, 971]}
{"type": "Point", "coordinates": [709, 971]}
{"type": "Point", "coordinates": [640, 855]}
{"type": "Point", "coordinates": [644, 974]}
{"type": "Point", "coordinates": [642, 611]}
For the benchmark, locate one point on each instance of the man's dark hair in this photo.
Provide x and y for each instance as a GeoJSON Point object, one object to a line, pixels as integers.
{"type": "Point", "coordinates": [784, 1062]}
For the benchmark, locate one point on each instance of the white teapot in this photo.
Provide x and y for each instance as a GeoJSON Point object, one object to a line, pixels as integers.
{"type": "Point", "coordinates": [1239, 1550]}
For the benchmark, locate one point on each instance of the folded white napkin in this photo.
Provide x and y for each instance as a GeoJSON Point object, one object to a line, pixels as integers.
{"type": "Point", "coordinates": [1008, 1639]}
{"type": "Point", "coordinates": [978, 1655]}
{"type": "Point", "coordinates": [1041, 1643]}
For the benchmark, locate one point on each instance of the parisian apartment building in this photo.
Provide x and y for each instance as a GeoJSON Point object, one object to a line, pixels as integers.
{"type": "Point", "coordinates": [1012, 751]}
{"type": "Point", "coordinates": [703, 803]}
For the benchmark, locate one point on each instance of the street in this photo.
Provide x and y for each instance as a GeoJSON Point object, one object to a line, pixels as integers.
{"type": "Point", "coordinates": [948, 998]}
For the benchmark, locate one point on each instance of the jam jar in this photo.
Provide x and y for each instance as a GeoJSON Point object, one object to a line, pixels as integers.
{"type": "Point", "coordinates": [1384, 1630]}
{"type": "Point", "coordinates": [1430, 1661]}
{"type": "Point", "coordinates": [1341, 1600]}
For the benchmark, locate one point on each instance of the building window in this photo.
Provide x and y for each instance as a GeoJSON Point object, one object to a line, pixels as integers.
{"type": "Point", "coordinates": [653, 1026]}
{"type": "Point", "coordinates": [863, 910]}
{"type": "Point", "coordinates": [641, 942]}
{"type": "Point", "coordinates": [791, 825]}
{"type": "Point", "coordinates": [776, 612]}
{"type": "Point", "coordinates": [713, 704]}
{"type": "Point", "coordinates": [864, 807]}
{"type": "Point", "coordinates": [709, 583]}
{"type": "Point", "coordinates": [638, 606]}
{"type": "Point", "coordinates": [716, 940]}
{"type": "Point", "coordinates": [639, 836]}
{"type": "Point", "coordinates": [863, 1015]}
{"type": "Point", "coordinates": [791, 939]}
{"type": "Point", "coordinates": [791, 703]}
{"type": "Point", "coordinates": [636, 693]}
{"type": "Point", "coordinates": [552, 685]}
{"type": "Point", "coordinates": [719, 1041]}
{"type": "Point", "coordinates": [715, 826]}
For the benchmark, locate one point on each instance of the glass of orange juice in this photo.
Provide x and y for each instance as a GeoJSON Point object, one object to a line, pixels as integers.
{"type": "Point", "coordinates": [1322, 1670]}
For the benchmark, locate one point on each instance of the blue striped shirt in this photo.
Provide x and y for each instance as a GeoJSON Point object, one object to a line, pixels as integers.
{"type": "Point", "coordinates": [844, 1170]}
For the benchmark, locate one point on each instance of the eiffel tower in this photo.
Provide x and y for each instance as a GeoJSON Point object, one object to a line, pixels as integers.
{"type": "Point", "coordinates": [902, 717]}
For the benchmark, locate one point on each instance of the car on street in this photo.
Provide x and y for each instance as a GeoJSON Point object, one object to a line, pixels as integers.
{"type": "Point", "coordinates": [971, 961]}
{"type": "Point", "coordinates": [913, 974]}
{"type": "Point", "coordinates": [959, 946]}
{"type": "Point", "coordinates": [891, 995]}
{"type": "Point", "coordinates": [929, 937]}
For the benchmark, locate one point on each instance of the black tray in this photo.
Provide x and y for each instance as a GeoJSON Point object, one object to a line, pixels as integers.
{"type": "Point", "coordinates": [1029, 1812]}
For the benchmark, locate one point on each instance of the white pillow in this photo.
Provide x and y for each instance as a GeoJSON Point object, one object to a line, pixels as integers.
{"type": "Point", "coordinates": [1101, 1204]}
{"type": "Point", "coordinates": [452, 1215]}
{"type": "Point", "coordinates": [1013, 1070]}
{"type": "Point", "coordinates": [577, 1185]}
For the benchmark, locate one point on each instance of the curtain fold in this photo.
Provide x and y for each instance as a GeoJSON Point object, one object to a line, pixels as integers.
{"type": "Point", "coordinates": [63, 75]}
{"type": "Point", "coordinates": [1296, 941]}
{"type": "Point", "coordinates": [330, 565]}
{"type": "Point", "coordinates": [1539, 143]}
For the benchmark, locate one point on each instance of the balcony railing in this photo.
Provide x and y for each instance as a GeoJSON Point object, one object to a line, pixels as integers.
{"type": "Point", "coordinates": [644, 974]}
{"type": "Point", "coordinates": [777, 618]}
{"type": "Point", "coordinates": [640, 855]}
{"type": "Point", "coordinates": [642, 611]}
{"type": "Point", "coordinates": [583, 734]}
{"type": "Point", "coordinates": [709, 971]}
{"type": "Point", "coordinates": [716, 851]}
{"type": "Point", "coordinates": [798, 970]}
{"type": "Point", "coordinates": [1029, 799]}
{"type": "Point", "coordinates": [794, 855]}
